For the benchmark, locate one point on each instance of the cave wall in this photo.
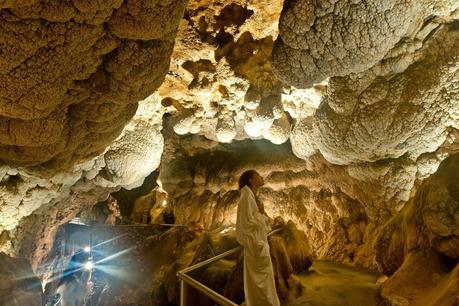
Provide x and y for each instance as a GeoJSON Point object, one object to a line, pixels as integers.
{"type": "Point", "coordinates": [337, 212]}
{"type": "Point", "coordinates": [202, 187]}
{"type": "Point", "coordinates": [358, 111]}
{"type": "Point", "coordinates": [76, 114]}
{"type": "Point", "coordinates": [428, 220]}
{"type": "Point", "coordinates": [18, 284]}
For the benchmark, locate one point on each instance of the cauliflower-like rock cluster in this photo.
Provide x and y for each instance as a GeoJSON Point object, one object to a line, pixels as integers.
{"type": "Point", "coordinates": [221, 81]}
{"type": "Point", "coordinates": [388, 107]}
{"type": "Point", "coordinates": [409, 113]}
{"type": "Point", "coordinates": [72, 73]}
{"type": "Point", "coordinates": [336, 38]}
{"type": "Point", "coordinates": [139, 148]}
{"type": "Point", "coordinates": [137, 152]}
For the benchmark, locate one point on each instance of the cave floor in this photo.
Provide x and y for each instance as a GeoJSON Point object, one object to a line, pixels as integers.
{"type": "Point", "coordinates": [334, 284]}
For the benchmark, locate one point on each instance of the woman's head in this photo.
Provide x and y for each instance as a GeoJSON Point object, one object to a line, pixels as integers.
{"type": "Point", "coordinates": [250, 178]}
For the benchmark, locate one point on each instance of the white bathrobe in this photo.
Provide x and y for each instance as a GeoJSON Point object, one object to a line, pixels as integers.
{"type": "Point", "coordinates": [251, 231]}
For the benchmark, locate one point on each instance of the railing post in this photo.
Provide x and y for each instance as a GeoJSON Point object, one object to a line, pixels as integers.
{"type": "Point", "coordinates": [183, 293]}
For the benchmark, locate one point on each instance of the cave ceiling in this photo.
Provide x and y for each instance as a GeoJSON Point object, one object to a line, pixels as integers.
{"type": "Point", "coordinates": [366, 89]}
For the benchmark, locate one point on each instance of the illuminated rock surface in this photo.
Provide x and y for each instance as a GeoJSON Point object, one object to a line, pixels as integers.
{"type": "Point", "coordinates": [349, 110]}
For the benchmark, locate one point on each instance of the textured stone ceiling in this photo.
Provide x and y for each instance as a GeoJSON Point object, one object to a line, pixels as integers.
{"type": "Point", "coordinates": [221, 81]}
{"type": "Point", "coordinates": [393, 76]}
{"type": "Point", "coordinates": [366, 94]}
{"type": "Point", "coordinates": [72, 74]}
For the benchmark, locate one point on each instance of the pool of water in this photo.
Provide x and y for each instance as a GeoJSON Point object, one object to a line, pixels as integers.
{"type": "Point", "coordinates": [334, 284]}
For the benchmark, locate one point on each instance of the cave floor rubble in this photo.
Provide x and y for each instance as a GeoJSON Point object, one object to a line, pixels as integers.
{"type": "Point", "coordinates": [334, 284]}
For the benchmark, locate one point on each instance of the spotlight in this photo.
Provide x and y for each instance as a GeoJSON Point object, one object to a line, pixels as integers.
{"type": "Point", "coordinates": [87, 249]}
{"type": "Point", "coordinates": [89, 265]}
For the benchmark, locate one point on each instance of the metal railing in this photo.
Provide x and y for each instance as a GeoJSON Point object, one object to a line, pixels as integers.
{"type": "Point", "coordinates": [187, 281]}
{"type": "Point", "coordinates": [135, 225]}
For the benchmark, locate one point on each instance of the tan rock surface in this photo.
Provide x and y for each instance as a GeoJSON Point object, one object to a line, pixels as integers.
{"type": "Point", "coordinates": [202, 187]}
{"type": "Point", "coordinates": [376, 115]}
{"type": "Point", "coordinates": [319, 40]}
{"type": "Point", "coordinates": [72, 74]}
{"type": "Point", "coordinates": [388, 118]}
{"type": "Point", "coordinates": [429, 220]}
{"type": "Point", "coordinates": [221, 81]}
{"type": "Point", "coordinates": [423, 279]}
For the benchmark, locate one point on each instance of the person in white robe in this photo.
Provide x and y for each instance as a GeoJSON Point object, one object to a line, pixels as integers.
{"type": "Point", "coordinates": [252, 229]}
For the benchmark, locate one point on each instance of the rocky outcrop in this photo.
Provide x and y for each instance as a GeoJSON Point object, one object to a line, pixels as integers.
{"type": "Point", "coordinates": [221, 83]}
{"type": "Point", "coordinates": [24, 191]}
{"type": "Point", "coordinates": [320, 40]}
{"type": "Point", "coordinates": [423, 279]}
{"type": "Point", "coordinates": [386, 123]}
{"type": "Point", "coordinates": [296, 245]}
{"type": "Point", "coordinates": [428, 221]}
{"type": "Point", "coordinates": [151, 208]}
{"type": "Point", "coordinates": [361, 118]}
{"type": "Point", "coordinates": [72, 74]}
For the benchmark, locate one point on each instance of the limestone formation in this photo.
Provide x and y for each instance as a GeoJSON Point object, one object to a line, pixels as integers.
{"type": "Point", "coordinates": [72, 74]}
{"type": "Point", "coordinates": [339, 208]}
{"type": "Point", "coordinates": [349, 109]}
{"type": "Point", "coordinates": [388, 118]}
{"type": "Point", "coordinates": [428, 221]}
{"type": "Point", "coordinates": [140, 145]}
{"type": "Point", "coordinates": [221, 82]}
{"type": "Point", "coordinates": [423, 279]}
{"type": "Point", "coordinates": [202, 187]}
{"type": "Point", "coordinates": [320, 40]}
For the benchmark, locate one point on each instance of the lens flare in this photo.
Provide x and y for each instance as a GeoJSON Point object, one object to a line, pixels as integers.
{"type": "Point", "coordinates": [89, 265]}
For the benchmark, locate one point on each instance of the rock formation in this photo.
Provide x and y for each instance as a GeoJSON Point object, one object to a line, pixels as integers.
{"type": "Point", "coordinates": [73, 74]}
{"type": "Point", "coordinates": [428, 220]}
{"type": "Point", "coordinates": [348, 109]}
{"type": "Point", "coordinates": [423, 279]}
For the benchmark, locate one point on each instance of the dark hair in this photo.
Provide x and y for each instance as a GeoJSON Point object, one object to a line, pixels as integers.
{"type": "Point", "coordinates": [245, 178]}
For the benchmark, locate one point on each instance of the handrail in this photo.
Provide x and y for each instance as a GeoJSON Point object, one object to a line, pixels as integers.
{"type": "Point", "coordinates": [188, 280]}
{"type": "Point", "coordinates": [211, 260]}
{"type": "Point", "coordinates": [134, 225]}
{"type": "Point", "coordinates": [220, 299]}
